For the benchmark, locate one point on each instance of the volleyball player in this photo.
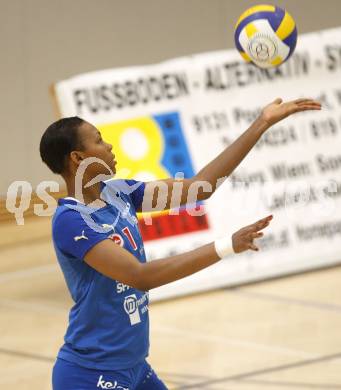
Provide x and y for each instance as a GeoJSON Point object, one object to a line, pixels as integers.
{"type": "Point", "coordinates": [100, 251]}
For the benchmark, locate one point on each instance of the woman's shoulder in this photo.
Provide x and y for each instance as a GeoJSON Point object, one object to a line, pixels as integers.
{"type": "Point", "coordinates": [68, 209]}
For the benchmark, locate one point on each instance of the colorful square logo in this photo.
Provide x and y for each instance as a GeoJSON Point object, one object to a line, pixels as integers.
{"type": "Point", "coordinates": [151, 148]}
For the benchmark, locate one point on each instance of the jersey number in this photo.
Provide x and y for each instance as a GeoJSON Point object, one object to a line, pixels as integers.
{"type": "Point", "coordinates": [127, 233]}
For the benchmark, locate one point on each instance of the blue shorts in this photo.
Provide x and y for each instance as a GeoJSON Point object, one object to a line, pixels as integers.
{"type": "Point", "coordinates": [70, 376]}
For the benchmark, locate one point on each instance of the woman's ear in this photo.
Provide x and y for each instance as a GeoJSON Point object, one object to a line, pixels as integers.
{"type": "Point", "coordinates": [76, 157]}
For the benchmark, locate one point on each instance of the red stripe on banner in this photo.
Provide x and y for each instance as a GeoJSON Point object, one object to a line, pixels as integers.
{"type": "Point", "coordinates": [172, 225]}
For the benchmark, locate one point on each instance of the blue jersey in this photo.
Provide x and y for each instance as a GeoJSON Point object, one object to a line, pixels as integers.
{"type": "Point", "coordinates": [108, 324]}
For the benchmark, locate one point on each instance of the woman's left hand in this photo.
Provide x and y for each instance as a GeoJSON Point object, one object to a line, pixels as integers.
{"type": "Point", "coordinates": [277, 110]}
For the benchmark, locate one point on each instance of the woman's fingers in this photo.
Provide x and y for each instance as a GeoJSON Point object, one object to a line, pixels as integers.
{"type": "Point", "coordinates": [256, 235]}
{"type": "Point", "coordinates": [259, 225]}
{"type": "Point", "coordinates": [306, 101]}
{"type": "Point", "coordinates": [263, 223]}
{"type": "Point", "coordinates": [253, 247]}
{"type": "Point", "coordinates": [305, 104]}
{"type": "Point", "coordinates": [301, 100]}
{"type": "Point", "coordinates": [244, 237]}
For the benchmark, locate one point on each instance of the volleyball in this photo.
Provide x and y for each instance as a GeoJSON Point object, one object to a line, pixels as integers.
{"type": "Point", "coordinates": [265, 35]}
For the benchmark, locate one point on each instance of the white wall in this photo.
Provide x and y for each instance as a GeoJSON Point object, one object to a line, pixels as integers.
{"type": "Point", "coordinates": [43, 41]}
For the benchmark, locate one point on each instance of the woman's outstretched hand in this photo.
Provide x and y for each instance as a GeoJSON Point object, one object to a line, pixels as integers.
{"type": "Point", "coordinates": [277, 110]}
{"type": "Point", "coordinates": [242, 240]}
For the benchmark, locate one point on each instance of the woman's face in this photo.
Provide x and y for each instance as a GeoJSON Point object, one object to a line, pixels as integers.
{"type": "Point", "coordinates": [94, 146]}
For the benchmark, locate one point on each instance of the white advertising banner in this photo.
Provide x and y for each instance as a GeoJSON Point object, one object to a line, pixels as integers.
{"type": "Point", "coordinates": [177, 116]}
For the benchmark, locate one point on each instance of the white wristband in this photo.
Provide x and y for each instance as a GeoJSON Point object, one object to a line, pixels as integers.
{"type": "Point", "coordinates": [223, 246]}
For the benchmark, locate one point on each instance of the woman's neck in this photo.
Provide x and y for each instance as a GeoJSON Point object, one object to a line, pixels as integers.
{"type": "Point", "coordinates": [85, 195]}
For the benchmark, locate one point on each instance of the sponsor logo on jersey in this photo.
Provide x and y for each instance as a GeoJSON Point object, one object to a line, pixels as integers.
{"type": "Point", "coordinates": [103, 384]}
{"type": "Point", "coordinates": [132, 307]}
{"type": "Point", "coordinates": [121, 287]}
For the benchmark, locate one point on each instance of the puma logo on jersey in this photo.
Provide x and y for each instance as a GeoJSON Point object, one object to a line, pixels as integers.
{"type": "Point", "coordinates": [111, 226]}
{"type": "Point", "coordinates": [82, 237]}
{"type": "Point", "coordinates": [107, 226]}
